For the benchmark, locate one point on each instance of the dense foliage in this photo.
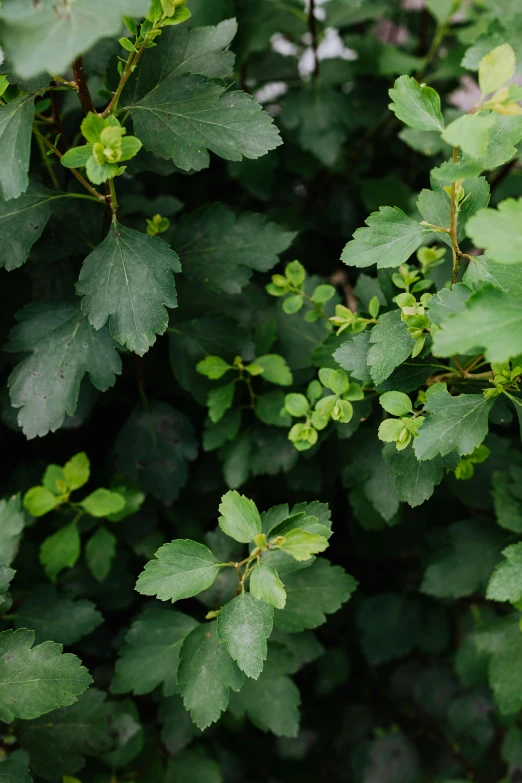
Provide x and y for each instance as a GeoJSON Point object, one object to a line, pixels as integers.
{"type": "Point", "coordinates": [215, 397]}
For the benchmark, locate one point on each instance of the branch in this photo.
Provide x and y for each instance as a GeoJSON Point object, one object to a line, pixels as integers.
{"type": "Point", "coordinates": [83, 89]}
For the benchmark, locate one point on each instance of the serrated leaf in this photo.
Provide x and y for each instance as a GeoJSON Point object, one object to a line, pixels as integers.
{"type": "Point", "coordinates": [471, 133]}
{"type": "Point", "coordinates": [434, 205]}
{"type": "Point", "coordinates": [12, 522]}
{"type": "Point", "coordinates": [153, 450]}
{"type": "Point", "coordinates": [244, 625]}
{"type": "Point", "coordinates": [265, 585]}
{"type": "Point", "coordinates": [63, 348]}
{"type": "Point", "coordinates": [60, 550]}
{"type": "Point", "coordinates": [206, 674]}
{"type": "Point", "coordinates": [223, 249]}
{"type": "Point", "coordinates": [185, 116]}
{"type": "Point", "coordinates": [490, 323]}
{"type": "Point", "coordinates": [501, 641]}
{"type": "Point", "coordinates": [36, 680]}
{"type": "Point", "coordinates": [352, 356]}
{"type": "Point", "coordinates": [53, 615]}
{"type": "Point", "coordinates": [504, 134]}
{"type": "Point", "coordinates": [464, 566]}
{"type": "Point", "coordinates": [16, 123]}
{"type": "Point", "coordinates": [448, 301]}
{"type": "Point", "coordinates": [150, 655]}
{"type": "Point", "coordinates": [181, 569]}
{"type": "Point", "coordinates": [505, 583]}
{"type": "Point", "coordinates": [391, 344]}
{"type": "Point", "coordinates": [128, 280]}
{"type": "Point", "coordinates": [415, 480]}
{"type": "Point", "coordinates": [498, 231]}
{"type": "Point", "coordinates": [455, 423]}
{"type": "Point", "coordinates": [496, 68]}
{"type": "Point", "coordinates": [390, 238]}
{"type": "Point", "coordinates": [239, 517]}
{"type": "Point", "coordinates": [13, 771]}
{"type": "Point", "coordinates": [484, 270]}
{"type": "Point", "coordinates": [46, 36]}
{"type": "Point", "coordinates": [416, 104]}
{"type": "Point", "coordinates": [100, 551]}
{"type": "Point", "coordinates": [301, 544]}
{"type": "Point", "coordinates": [311, 594]}
{"type": "Point", "coordinates": [22, 221]}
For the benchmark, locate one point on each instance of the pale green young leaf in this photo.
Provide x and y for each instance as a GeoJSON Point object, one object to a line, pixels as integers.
{"type": "Point", "coordinates": [455, 423]}
{"type": "Point", "coordinates": [16, 122]}
{"type": "Point", "coordinates": [391, 344]}
{"type": "Point", "coordinates": [56, 616]}
{"type": "Point", "coordinates": [506, 580]}
{"type": "Point", "coordinates": [219, 401]}
{"type": "Point", "coordinates": [390, 238]}
{"type": "Point", "coordinates": [301, 544]}
{"type": "Point", "coordinates": [206, 674]}
{"type": "Point", "coordinates": [100, 551]}
{"type": "Point", "coordinates": [12, 522]}
{"type": "Point", "coordinates": [102, 502]}
{"type": "Point", "coordinates": [128, 279]}
{"type": "Point", "coordinates": [63, 347]}
{"type": "Point", "coordinates": [496, 68]}
{"type": "Point", "coordinates": [396, 403]}
{"type": "Point", "coordinates": [22, 222]}
{"type": "Point", "coordinates": [490, 323]}
{"type": "Point", "coordinates": [499, 232]}
{"type": "Point", "coordinates": [60, 550]}
{"type": "Point", "coordinates": [47, 37]}
{"type": "Point", "coordinates": [224, 249]}
{"type": "Point", "coordinates": [77, 471]}
{"type": "Point", "coordinates": [265, 585]}
{"type": "Point", "coordinates": [296, 404]}
{"type": "Point", "coordinates": [214, 367]}
{"type": "Point", "coordinates": [39, 501]}
{"type": "Point", "coordinates": [416, 104]}
{"type": "Point", "coordinates": [36, 680]}
{"type": "Point", "coordinates": [311, 594]}
{"type": "Point", "coordinates": [180, 569]}
{"type": "Point", "coordinates": [196, 116]}
{"type": "Point", "coordinates": [275, 369]}
{"type": "Point", "coordinates": [471, 133]}
{"type": "Point", "coordinates": [150, 655]}
{"type": "Point", "coordinates": [239, 517]}
{"type": "Point", "coordinates": [244, 625]}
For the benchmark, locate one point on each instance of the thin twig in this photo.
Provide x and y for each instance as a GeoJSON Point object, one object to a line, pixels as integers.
{"type": "Point", "coordinates": [74, 172]}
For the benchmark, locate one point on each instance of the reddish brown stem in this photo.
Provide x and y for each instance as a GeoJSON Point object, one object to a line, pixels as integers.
{"type": "Point", "coordinates": [83, 89]}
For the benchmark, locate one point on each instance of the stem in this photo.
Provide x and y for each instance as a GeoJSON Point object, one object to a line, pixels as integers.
{"type": "Point", "coordinates": [312, 26]}
{"type": "Point", "coordinates": [440, 34]}
{"type": "Point", "coordinates": [114, 201]}
{"type": "Point", "coordinates": [47, 163]}
{"type": "Point", "coordinates": [83, 89]}
{"type": "Point", "coordinates": [453, 225]}
{"type": "Point", "coordinates": [74, 172]}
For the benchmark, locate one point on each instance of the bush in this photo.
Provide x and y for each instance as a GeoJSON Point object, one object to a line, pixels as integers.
{"type": "Point", "coordinates": [316, 460]}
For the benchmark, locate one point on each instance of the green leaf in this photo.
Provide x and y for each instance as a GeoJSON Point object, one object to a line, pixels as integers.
{"type": "Point", "coordinates": [192, 766]}
{"type": "Point", "coordinates": [36, 680]}
{"type": "Point", "coordinates": [448, 301]}
{"type": "Point", "coordinates": [459, 423]}
{"type": "Point", "coordinates": [77, 471]}
{"type": "Point", "coordinates": [416, 104]}
{"type": "Point", "coordinates": [12, 521]}
{"type": "Point", "coordinates": [202, 50]}
{"type": "Point", "coordinates": [61, 550]}
{"type": "Point", "coordinates": [352, 356]}
{"type": "Point", "coordinates": [498, 231]}
{"type": "Point", "coordinates": [150, 655]}
{"type": "Point", "coordinates": [265, 585]}
{"type": "Point", "coordinates": [22, 222]}
{"type": "Point", "coordinates": [391, 345]}
{"type": "Point", "coordinates": [16, 122]}
{"type": "Point", "coordinates": [39, 501]}
{"type": "Point", "coordinates": [311, 594]}
{"type": "Point", "coordinates": [239, 517]}
{"type": "Point", "coordinates": [496, 68]}
{"type": "Point", "coordinates": [506, 580]}
{"type": "Point", "coordinates": [464, 565]}
{"type": "Point", "coordinates": [244, 625]}
{"type": "Point", "coordinates": [434, 205]}
{"type": "Point", "coordinates": [128, 280]}
{"type": "Point", "coordinates": [389, 626]}
{"type": "Point", "coordinates": [48, 37]}
{"type": "Point", "coordinates": [471, 133]}
{"type": "Point", "coordinates": [178, 729]}
{"type": "Point", "coordinates": [396, 403]}
{"type": "Point", "coordinates": [77, 157]}
{"type": "Point", "coordinates": [415, 480]}
{"type": "Point", "coordinates": [102, 502]}
{"type": "Point", "coordinates": [181, 569]}
{"type": "Point", "coordinates": [223, 249]}
{"type": "Point", "coordinates": [153, 450]}
{"type": "Point", "coordinates": [220, 400]}
{"type": "Point", "coordinates": [206, 674]}
{"type": "Point", "coordinates": [504, 134]}
{"type": "Point", "coordinates": [195, 116]}
{"type": "Point", "coordinates": [301, 545]}
{"type": "Point", "coordinates": [100, 551]}
{"type": "Point", "coordinates": [490, 323]}
{"type": "Point", "coordinates": [501, 641]}
{"type": "Point", "coordinates": [13, 771]}
{"type": "Point", "coordinates": [52, 615]}
{"type": "Point", "coordinates": [388, 241]}
{"type": "Point", "coordinates": [484, 270]}
{"type": "Point", "coordinates": [508, 508]}
{"type": "Point", "coordinates": [270, 409]}
{"type": "Point", "coordinates": [63, 348]}
{"type": "Point", "coordinates": [296, 404]}
{"type": "Point", "coordinates": [133, 497]}
{"type": "Point", "coordinates": [213, 367]}
{"type": "Point", "coordinates": [275, 369]}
